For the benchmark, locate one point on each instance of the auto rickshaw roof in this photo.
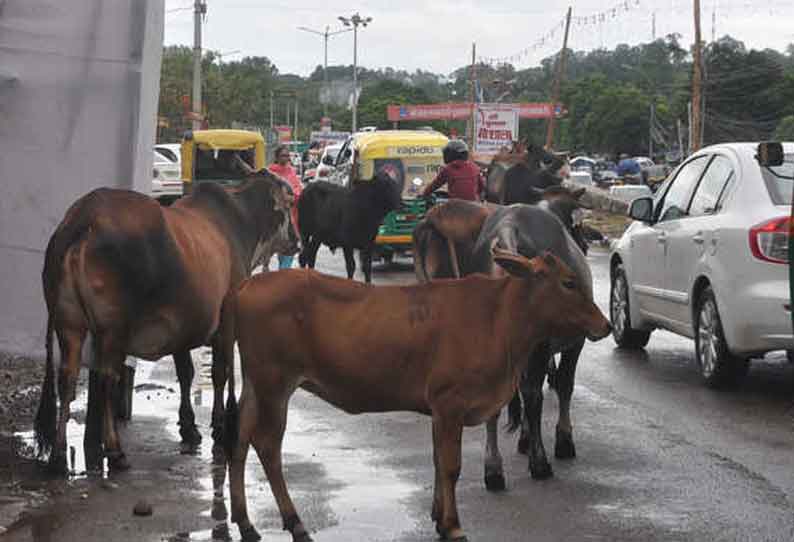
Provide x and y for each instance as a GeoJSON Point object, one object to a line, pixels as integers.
{"type": "Point", "coordinates": [379, 144]}
{"type": "Point", "coordinates": [226, 139]}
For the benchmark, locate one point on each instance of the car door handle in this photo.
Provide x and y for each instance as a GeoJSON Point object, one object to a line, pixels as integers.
{"type": "Point", "coordinates": [698, 238]}
{"type": "Point", "coordinates": [662, 239]}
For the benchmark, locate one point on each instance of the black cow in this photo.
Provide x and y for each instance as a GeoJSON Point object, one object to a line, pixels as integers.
{"type": "Point", "coordinates": [521, 177]}
{"type": "Point", "coordinates": [347, 217]}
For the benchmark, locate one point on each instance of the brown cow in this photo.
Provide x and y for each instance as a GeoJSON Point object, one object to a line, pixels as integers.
{"type": "Point", "coordinates": [453, 350]}
{"type": "Point", "coordinates": [149, 281]}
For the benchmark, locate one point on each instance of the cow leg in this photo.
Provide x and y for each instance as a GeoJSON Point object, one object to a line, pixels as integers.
{"type": "Point", "coordinates": [532, 392]}
{"type": "Point", "coordinates": [70, 341]}
{"type": "Point", "coordinates": [563, 445]}
{"type": "Point", "coordinates": [447, 436]}
{"type": "Point", "coordinates": [92, 439]}
{"type": "Point", "coordinates": [267, 440]}
{"type": "Point", "coordinates": [494, 475]}
{"type": "Point", "coordinates": [366, 264]}
{"type": "Point", "coordinates": [350, 262]}
{"type": "Point", "coordinates": [222, 360]}
{"type": "Point", "coordinates": [191, 438]}
{"type": "Point", "coordinates": [247, 422]}
{"type": "Point", "coordinates": [110, 363]}
{"type": "Point", "coordinates": [310, 249]}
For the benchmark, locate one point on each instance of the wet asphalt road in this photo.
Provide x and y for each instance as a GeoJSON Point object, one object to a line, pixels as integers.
{"type": "Point", "coordinates": [660, 457]}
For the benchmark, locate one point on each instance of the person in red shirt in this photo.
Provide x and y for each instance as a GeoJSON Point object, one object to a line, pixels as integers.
{"type": "Point", "coordinates": [463, 177]}
{"type": "Point", "coordinates": [283, 168]}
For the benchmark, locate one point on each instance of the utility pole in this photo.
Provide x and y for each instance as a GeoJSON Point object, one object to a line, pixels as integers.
{"type": "Point", "coordinates": [295, 132]}
{"type": "Point", "coordinates": [650, 131]}
{"type": "Point", "coordinates": [271, 109]}
{"type": "Point", "coordinates": [653, 26]}
{"type": "Point", "coordinates": [697, 83]}
{"type": "Point", "coordinates": [555, 93]}
{"type": "Point", "coordinates": [199, 11]}
{"type": "Point", "coordinates": [327, 34]}
{"type": "Point", "coordinates": [355, 21]}
{"type": "Point", "coordinates": [472, 92]}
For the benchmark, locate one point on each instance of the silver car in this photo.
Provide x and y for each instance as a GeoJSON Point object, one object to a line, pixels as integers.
{"type": "Point", "coordinates": [707, 258]}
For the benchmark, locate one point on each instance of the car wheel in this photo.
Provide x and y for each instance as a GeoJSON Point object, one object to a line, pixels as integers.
{"type": "Point", "coordinates": [718, 367]}
{"type": "Point", "coordinates": [625, 336]}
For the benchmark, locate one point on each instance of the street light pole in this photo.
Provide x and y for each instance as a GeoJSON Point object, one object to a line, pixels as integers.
{"type": "Point", "coordinates": [200, 8]}
{"type": "Point", "coordinates": [355, 21]}
{"type": "Point", "coordinates": [327, 34]}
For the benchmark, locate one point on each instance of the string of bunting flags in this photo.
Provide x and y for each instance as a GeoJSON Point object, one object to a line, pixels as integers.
{"type": "Point", "coordinates": [548, 38]}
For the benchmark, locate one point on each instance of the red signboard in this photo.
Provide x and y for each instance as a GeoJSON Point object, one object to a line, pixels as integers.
{"type": "Point", "coordinates": [462, 111]}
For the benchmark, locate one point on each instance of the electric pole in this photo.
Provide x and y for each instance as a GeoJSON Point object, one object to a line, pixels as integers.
{"type": "Point", "coordinates": [355, 21]}
{"type": "Point", "coordinates": [199, 11]}
{"type": "Point", "coordinates": [472, 97]}
{"type": "Point", "coordinates": [327, 34]}
{"type": "Point", "coordinates": [555, 93]}
{"type": "Point", "coordinates": [697, 83]}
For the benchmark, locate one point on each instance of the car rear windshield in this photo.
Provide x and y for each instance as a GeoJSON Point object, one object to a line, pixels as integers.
{"type": "Point", "coordinates": [779, 181]}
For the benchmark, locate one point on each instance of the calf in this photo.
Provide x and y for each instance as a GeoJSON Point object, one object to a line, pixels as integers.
{"type": "Point", "coordinates": [528, 230]}
{"type": "Point", "coordinates": [453, 350]}
{"type": "Point", "coordinates": [347, 217]}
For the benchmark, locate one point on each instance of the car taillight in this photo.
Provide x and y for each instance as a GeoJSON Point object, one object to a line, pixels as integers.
{"type": "Point", "coordinates": [769, 240]}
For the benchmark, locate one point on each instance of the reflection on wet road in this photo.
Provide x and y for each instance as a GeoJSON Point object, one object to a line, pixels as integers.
{"type": "Point", "coordinates": [660, 457]}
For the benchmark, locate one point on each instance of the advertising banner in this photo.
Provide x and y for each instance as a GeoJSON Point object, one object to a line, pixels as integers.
{"type": "Point", "coordinates": [329, 137]}
{"type": "Point", "coordinates": [496, 126]}
{"type": "Point", "coordinates": [461, 111]}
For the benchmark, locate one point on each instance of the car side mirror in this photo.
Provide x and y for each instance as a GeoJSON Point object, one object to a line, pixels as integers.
{"type": "Point", "coordinates": [642, 209]}
{"type": "Point", "coordinates": [770, 154]}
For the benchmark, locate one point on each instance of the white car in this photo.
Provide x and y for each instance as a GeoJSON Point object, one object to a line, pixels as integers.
{"type": "Point", "coordinates": [707, 258]}
{"type": "Point", "coordinates": [166, 179]}
{"type": "Point", "coordinates": [326, 166]}
{"type": "Point", "coordinates": [172, 151]}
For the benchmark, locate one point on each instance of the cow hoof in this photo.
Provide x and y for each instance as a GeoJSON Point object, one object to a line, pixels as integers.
{"type": "Point", "coordinates": [218, 511]}
{"type": "Point", "coordinates": [303, 537]}
{"type": "Point", "coordinates": [118, 462]}
{"type": "Point", "coordinates": [494, 482]}
{"type": "Point", "coordinates": [249, 534]}
{"type": "Point", "coordinates": [190, 436]}
{"type": "Point", "coordinates": [57, 465]}
{"type": "Point", "coordinates": [523, 446]}
{"type": "Point", "coordinates": [542, 472]}
{"type": "Point", "coordinates": [189, 448]}
{"type": "Point", "coordinates": [564, 447]}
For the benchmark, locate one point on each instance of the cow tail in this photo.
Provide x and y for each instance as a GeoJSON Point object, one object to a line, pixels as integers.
{"type": "Point", "coordinates": [514, 413]}
{"type": "Point", "coordinates": [46, 417]}
{"type": "Point", "coordinates": [422, 234]}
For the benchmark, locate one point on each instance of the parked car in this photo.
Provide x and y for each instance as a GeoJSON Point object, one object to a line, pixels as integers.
{"type": "Point", "coordinates": [172, 151]}
{"type": "Point", "coordinates": [707, 258]}
{"type": "Point", "coordinates": [327, 160]}
{"type": "Point", "coordinates": [166, 179]}
{"type": "Point", "coordinates": [629, 192]}
{"type": "Point", "coordinates": [651, 171]}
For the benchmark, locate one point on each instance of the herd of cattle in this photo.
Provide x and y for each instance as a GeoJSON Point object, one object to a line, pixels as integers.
{"type": "Point", "coordinates": [133, 278]}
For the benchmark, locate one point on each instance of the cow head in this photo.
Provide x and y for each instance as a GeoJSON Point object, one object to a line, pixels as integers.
{"type": "Point", "coordinates": [558, 301]}
{"type": "Point", "coordinates": [387, 191]}
{"type": "Point", "coordinates": [269, 201]}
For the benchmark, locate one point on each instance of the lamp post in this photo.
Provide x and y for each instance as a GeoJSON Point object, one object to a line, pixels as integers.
{"type": "Point", "coordinates": [354, 21]}
{"type": "Point", "coordinates": [327, 34]}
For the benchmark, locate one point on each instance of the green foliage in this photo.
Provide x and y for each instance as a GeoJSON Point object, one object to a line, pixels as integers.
{"type": "Point", "coordinates": [785, 130]}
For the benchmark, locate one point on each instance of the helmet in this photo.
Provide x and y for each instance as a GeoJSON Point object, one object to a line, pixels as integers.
{"type": "Point", "coordinates": [455, 150]}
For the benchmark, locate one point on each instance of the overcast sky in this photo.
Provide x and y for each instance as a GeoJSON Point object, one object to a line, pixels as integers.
{"type": "Point", "coordinates": [437, 35]}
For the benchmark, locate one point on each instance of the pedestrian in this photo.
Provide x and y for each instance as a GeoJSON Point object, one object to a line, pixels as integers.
{"type": "Point", "coordinates": [463, 177]}
{"type": "Point", "coordinates": [283, 168]}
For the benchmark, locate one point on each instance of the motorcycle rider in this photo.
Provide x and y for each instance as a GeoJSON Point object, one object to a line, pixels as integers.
{"type": "Point", "coordinates": [463, 177]}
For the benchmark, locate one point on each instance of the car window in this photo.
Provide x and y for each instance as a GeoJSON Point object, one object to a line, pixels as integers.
{"type": "Point", "coordinates": [778, 185]}
{"type": "Point", "coordinates": [714, 182]}
{"type": "Point", "coordinates": [676, 199]}
{"type": "Point", "coordinates": [168, 153]}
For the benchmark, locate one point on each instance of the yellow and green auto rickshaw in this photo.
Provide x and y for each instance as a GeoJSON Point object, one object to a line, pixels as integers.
{"type": "Point", "coordinates": [208, 155]}
{"type": "Point", "coordinates": [413, 157]}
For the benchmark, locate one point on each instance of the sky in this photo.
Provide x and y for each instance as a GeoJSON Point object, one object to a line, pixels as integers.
{"type": "Point", "coordinates": [437, 35]}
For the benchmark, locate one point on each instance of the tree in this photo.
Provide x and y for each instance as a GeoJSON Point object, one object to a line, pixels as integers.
{"type": "Point", "coordinates": [785, 129]}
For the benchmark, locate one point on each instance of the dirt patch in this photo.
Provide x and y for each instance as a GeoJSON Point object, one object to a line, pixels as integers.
{"type": "Point", "coordinates": [20, 380]}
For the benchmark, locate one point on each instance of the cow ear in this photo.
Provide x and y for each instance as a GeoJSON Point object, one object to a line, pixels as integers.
{"type": "Point", "coordinates": [515, 264]}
